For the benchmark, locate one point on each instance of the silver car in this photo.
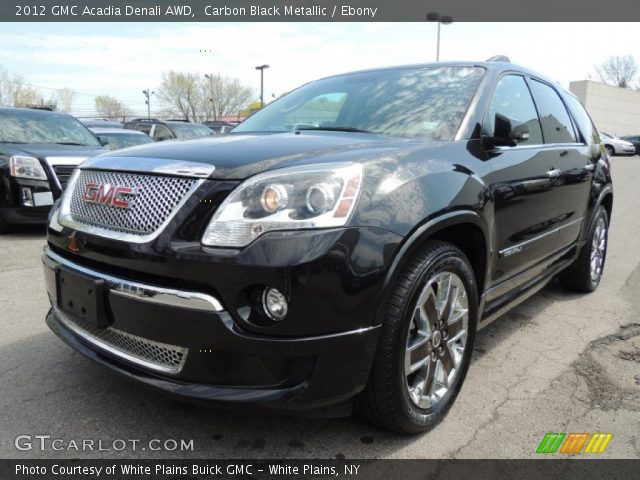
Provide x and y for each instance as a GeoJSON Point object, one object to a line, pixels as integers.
{"type": "Point", "coordinates": [617, 146]}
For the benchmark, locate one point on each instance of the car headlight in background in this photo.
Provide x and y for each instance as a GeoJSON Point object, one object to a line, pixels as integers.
{"type": "Point", "coordinates": [314, 196]}
{"type": "Point", "coordinates": [26, 167]}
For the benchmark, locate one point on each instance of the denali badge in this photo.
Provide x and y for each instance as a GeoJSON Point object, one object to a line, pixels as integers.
{"type": "Point", "coordinates": [106, 194]}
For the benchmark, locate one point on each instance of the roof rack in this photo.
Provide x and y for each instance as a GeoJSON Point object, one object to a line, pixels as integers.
{"type": "Point", "coordinates": [499, 58]}
{"type": "Point", "coordinates": [178, 120]}
{"type": "Point", "coordinates": [144, 120]}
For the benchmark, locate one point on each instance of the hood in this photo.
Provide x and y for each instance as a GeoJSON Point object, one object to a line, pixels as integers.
{"type": "Point", "coordinates": [54, 153]}
{"type": "Point", "coordinates": [238, 156]}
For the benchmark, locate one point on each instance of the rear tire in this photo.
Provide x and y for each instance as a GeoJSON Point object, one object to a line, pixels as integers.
{"type": "Point", "coordinates": [425, 343]}
{"type": "Point", "coordinates": [585, 273]}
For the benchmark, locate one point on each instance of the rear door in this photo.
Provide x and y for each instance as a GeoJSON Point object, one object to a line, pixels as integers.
{"type": "Point", "coordinates": [525, 201]}
{"type": "Point", "coordinates": [570, 162]}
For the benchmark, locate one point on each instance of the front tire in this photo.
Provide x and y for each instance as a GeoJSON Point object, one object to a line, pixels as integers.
{"type": "Point", "coordinates": [425, 343]}
{"type": "Point", "coordinates": [4, 226]}
{"type": "Point", "coordinates": [610, 150]}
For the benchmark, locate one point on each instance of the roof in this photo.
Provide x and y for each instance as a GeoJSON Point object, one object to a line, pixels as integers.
{"type": "Point", "coordinates": [494, 66]}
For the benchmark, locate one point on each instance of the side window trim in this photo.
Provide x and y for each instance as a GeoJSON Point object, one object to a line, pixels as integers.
{"type": "Point", "coordinates": [492, 95]}
{"type": "Point", "coordinates": [576, 132]}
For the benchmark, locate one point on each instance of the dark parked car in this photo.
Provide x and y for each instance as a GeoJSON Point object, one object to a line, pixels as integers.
{"type": "Point", "coordinates": [349, 260]}
{"type": "Point", "coordinates": [218, 126]}
{"type": "Point", "coordinates": [169, 130]}
{"type": "Point", "coordinates": [635, 140]}
{"type": "Point", "coordinates": [38, 151]}
{"type": "Point", "coordinates": [119, 138]}
{"type": "Point", "coordinates": [99, 123]}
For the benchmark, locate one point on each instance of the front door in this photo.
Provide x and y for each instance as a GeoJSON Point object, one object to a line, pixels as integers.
{"type": "Point", "coordinates": [523, 184]}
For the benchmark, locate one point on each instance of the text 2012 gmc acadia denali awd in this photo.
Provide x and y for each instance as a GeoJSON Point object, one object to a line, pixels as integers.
{"type": "Point", "coordinates": [341, 245]}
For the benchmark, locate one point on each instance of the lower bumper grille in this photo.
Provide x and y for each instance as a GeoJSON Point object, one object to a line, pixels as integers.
{"type": "Point", "coordinates": [143, 352]}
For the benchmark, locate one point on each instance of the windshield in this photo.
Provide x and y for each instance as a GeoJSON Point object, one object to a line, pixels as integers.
{"type": "Point", "coordinates": [123, 140]}
{"type": "Point", "coordinates": [187, 131]}
{"type": "Point", "coordinates": [426, 102]}
{"type": "Point", "coordinates": [25, 126]}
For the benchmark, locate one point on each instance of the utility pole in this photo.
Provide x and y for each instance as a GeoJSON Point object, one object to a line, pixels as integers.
{"type": "Point", "coordinates": [213, 105]}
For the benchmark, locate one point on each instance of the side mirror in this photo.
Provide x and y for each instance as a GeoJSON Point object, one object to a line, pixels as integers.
{"type": "Point", "coordinates": [520, 133]}
{"type": "Point", "coordinates": [505, 134]}
{"type": "Point", "coordinates": [104, 141]}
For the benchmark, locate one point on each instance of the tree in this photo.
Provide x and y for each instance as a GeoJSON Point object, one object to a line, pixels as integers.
{"type": "Point", "coordinates": [26, 96]}
{"type": "Point", "coordinates": [182, 93]}
{"type": "Point", "coordinates": [110, 108]}
{"type": "Point", "coordinates": [618, 70]}
{"type": "Point", "coordinates": [10, 86]}
{"type": "Point", "coordinates": [198, 98]}
{"type": "Point", "coordinates": [64, 99]}
{"type": "Point", "coordinates": [250, 109]}
{"type": "Point", "coordinates": [227, 95]}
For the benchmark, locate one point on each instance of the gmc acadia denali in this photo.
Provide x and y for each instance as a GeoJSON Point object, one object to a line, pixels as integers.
{"type": "Point", "coordinates": [38, 151]}
{"type": "Point", "coordinates": [341, 246]}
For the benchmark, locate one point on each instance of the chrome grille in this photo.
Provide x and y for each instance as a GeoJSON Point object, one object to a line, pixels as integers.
{"type": "Point", "coordinates": [63, 172]}
{"type": "Point", "coordinates": [141, 351]}
{"type": "Point", "coordinates": [157, 198]}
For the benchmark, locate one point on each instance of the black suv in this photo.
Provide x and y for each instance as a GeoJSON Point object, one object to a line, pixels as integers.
{"type": "Point", "coordinates": [350, 259]}
{"type": "Point", "coordinates": [170, 129]}
{"type": "Point", "coordinates": [38, 151]}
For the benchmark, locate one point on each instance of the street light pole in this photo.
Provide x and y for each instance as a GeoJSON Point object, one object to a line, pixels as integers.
{"type": "Point", "coordinates": [442, 20]}
{"type": "Point", "coordinates": [261, 68]}
{"type": "Point", "coordinates": [147, 93]}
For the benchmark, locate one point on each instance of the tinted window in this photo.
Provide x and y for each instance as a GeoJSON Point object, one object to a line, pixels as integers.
{"type": "Point", "coordinates": [144, 127]}
{"type": "Point", "coordinates": [582, 118]}
{"type": "Point", "coordinates": [556, 123]}
{"type": "Point", "coordinates": [188, 131]}
{"type": "Point", "coordinates": [123, 140]}
{"type": "Point", "coordinates": [425, 103]}
{"type": "Point", "coordinates": [161, 133]}
{"type": "Point", "coordinates": [512, 99]}
{"type": "Point", "coordinates": [32, 126]}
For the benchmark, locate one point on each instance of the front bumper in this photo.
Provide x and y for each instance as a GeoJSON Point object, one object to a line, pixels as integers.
{"type": "Point", "coordinates": [184, 343]}
{"type": "Point", "coordinates": [627, 150]}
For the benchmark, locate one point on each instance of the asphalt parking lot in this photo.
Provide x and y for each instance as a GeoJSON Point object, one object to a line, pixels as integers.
{"type": "Point", "coordinates": [560, 362]}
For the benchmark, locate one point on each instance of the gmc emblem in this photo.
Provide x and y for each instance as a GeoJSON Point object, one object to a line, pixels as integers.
{"type": "Point", "coordinates": [105, 194]}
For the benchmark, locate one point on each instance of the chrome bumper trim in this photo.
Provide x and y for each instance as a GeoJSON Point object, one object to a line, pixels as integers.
{"type": "Point", "coordinates": [140, 291]}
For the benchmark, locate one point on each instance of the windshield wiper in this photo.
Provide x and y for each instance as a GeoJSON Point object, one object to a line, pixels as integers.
{"type": "Point", "coordinates": [9, 141]}
{"type": "Point", "coordinates": [337, 129]}
{"type": "Point", "coordinates": [69, 143]}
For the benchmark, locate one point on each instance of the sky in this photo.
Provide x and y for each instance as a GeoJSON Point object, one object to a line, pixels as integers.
{"type": "Point", "coordinates": [122, 59]}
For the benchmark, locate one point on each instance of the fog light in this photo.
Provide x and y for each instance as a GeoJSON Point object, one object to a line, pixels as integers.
{"type": "Point", "coordinates": [27, 197]}
{"type": "Point", "coordinates": [274, 304]}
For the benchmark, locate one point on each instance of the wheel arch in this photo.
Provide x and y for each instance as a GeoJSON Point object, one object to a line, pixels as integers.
{"type": "Point", "coordinates": [465, 229]}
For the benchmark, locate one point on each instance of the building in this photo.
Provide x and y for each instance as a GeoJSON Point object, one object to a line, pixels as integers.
{"type": "Point", "coordinates": [614, 110]}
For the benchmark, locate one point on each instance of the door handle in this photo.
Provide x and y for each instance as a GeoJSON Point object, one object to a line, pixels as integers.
{"type": "Point", "coordinates": [554, 173]}
{"type": "Point", "coordinates": [590, 167]}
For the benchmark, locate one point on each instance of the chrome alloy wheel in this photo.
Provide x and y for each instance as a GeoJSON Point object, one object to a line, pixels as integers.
{"type": "Point", "coordinates": [436, 339]}
{"type": "Point", "coordinates": [598, 249]}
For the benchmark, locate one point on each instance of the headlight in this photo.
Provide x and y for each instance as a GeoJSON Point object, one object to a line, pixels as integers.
{"type": "Point", "coordinates": [315, 196]}
{"type": "Point", "coordinates": [26, 167]}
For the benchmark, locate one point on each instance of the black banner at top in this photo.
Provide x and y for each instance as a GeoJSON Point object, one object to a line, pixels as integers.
{"type": "Point", "coordinates": [315, 10]}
